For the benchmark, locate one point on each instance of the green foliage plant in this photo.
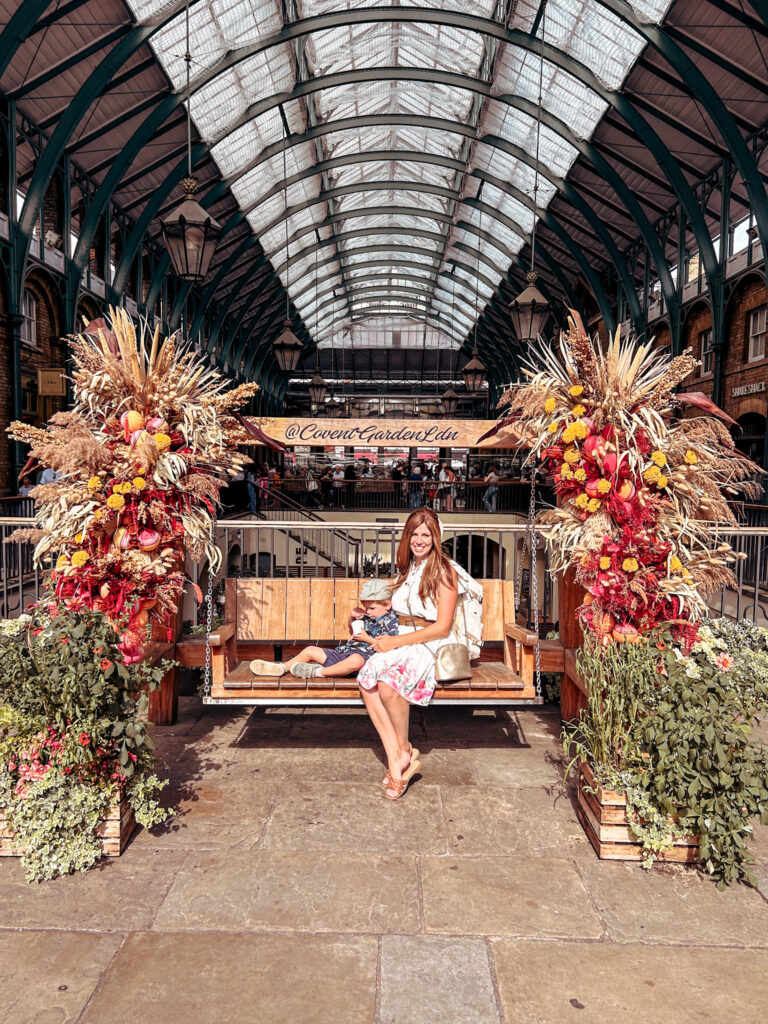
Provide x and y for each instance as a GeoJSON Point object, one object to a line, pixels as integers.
{"type": "Point", "coordinates": [674, 731]}
{"type": "Point", "coordinates": [73, 739]}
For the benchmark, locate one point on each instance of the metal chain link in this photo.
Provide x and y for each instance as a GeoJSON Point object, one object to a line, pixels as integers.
{"type": "Point", "coordinates": [208, 621]}
{"type": "Point", "coordinates": [531, 530]}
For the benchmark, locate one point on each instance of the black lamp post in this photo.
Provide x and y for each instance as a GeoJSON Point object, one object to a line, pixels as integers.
{"type": "Point", "coordinates": [190, 234]}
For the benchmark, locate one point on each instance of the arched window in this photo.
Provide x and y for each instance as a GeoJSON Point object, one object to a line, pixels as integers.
{"type": "Point", "coordinates": [29, 323]}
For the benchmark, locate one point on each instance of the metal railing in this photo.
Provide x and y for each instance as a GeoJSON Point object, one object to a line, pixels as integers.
{"type": "Point", "coordinates": [293, 548]}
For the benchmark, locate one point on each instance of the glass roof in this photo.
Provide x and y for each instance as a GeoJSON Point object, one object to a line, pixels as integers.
{"type": "Point", "coordinates": [408, 198]}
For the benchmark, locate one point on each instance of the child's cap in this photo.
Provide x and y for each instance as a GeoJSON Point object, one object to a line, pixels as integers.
{"type": "Point", "coordinates": [376, 590]}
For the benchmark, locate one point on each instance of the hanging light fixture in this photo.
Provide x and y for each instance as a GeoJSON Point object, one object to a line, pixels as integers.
{"type": "Point", "coordinates": [286, 346]}
{"type": "Point", "coordinates": [190, 234]}
{"type": "Point", "coordinates": [474, 371]}
{"type": "Point", "coordinates": [450, 401]}
{"type": "Point", "coordinates": [530, 310]}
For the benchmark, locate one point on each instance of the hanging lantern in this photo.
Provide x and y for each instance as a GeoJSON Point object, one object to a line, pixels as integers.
{"type": "Point", "coordinates": [529, 312]}
{"type": "Point", "coordinates": [450, 401]}
{"type": "Point", "coordinates": [474, 374]}
{"type": "Point", "coordinates": [190, 235]}
{"type": "Point", "coordinates": [317, 388]}
{"type": "Point", "coordinates": [287, 349]}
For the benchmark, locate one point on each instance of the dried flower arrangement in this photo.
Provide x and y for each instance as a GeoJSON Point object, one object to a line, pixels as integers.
{"type": "Point", "coordinates": [151, 439]}
{"type": "Point", "coordinates": [640, 489]}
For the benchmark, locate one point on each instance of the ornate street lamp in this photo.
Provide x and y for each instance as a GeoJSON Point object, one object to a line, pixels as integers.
{"type": "Point", "coordinates": [286, 346]}
{"type": "Point", "coordinates": [474, 374]}
{"type": "Point", "coordinates": [450, 401]}
{"type": "Point", "coordinates": [317, 388]}
{"type": "Point", "coordinates": [530, 310]}
{"type": "Point", "coordinates": [190, 234]}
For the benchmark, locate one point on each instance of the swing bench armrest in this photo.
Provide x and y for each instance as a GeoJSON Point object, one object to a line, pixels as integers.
{"type": "Point", "coordinates": [523, 636]}
{"type": "Point", "coordinates": [222, 633]}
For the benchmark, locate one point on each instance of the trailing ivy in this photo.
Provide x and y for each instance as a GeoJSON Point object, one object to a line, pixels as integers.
{"type": "Point", "coordinates": [674, 732]}
{"type": "Point", "coordinates": [72, 736]}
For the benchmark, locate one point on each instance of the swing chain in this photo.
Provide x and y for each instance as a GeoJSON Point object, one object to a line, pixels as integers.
{"type": "Point", "coordinates": [531, 531]}
{"type": "Point", "coordinates": [208, 623]}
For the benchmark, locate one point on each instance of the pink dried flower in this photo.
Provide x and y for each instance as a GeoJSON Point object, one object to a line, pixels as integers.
{"type": "Point", "coordinates": [724, 662]}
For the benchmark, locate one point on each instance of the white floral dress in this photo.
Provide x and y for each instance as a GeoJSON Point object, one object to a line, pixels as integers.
{"type": "Point", "coordinates": [410, 670]}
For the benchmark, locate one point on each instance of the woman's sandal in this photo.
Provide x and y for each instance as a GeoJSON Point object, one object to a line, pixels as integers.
{"type": "Point", "coordinates": [399, 786]}
{"type": "Point", "coordinates": [388, 778]}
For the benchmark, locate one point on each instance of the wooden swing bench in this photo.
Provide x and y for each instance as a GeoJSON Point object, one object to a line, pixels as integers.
{"type": "Point", "coordinates": [263, 614]}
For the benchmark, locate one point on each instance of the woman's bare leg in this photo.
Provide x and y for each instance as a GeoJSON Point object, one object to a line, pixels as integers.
{"type": "Point", "coordinates": [398, 712]}
{"type": "Point", "coordinates": [382, 724]}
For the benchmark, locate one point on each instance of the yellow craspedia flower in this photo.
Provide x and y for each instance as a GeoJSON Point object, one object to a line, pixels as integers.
{"type": "Point", "coordinates": [552, 428]}
{"type": "Point", "coordinates": [603, 486]}
{"type": "Point", "coordinates": [79, 558]}
{"type": "Point", "coordinates": [550, 405]}
{"type": "Point", "coordinates": [569, 434]}
{"type": "Point", "coordinates": [652, 474]}
{"type": "Point", "coordinates": [659, 458]}
{"type": "Point", "coordinates": [580, 428]}
{"type": "Point", "coordinates": [94, 484]}
{"type": "Point", "coordinates": [576, 390]}
{"type": "Point", "coordinates": [79, 537]}
{"type": "Point", "coordinates": [581, 501]}
{"type": "Point", "coordinates": [566, 472]}
{"type": "Point", "coordinates": [594, 504]}
{"type": "Point", "coordinates": [675, 565]}
{"type": "Point", "coordinates": [62, 561]}
{"type": "Point", "coordinates": [162, 441]}
{"type": "Point", "coordinates": [630, 565]}
{"type": "Point", "coordinates": [605, 562]}
{"type": "Point", "coordinates": [139, 483]}
{"type": "Point", "coordinates": [691, 457]}
{"type": "Point", "coordinates": [580, 474]}
{"type": "Point", "coordinates": [116, 501]}
{"type": "Point", "coordinates": [122, 488]}
{"type": "Point", "coordinates": [662, 481]}
{"type": "Point", "coordinates": [578, 410]}
{"type": "Point", "coordinates": [571, 455]}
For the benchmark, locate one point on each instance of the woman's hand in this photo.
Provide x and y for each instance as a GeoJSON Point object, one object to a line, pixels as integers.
{"type": "Point", "coordinates": [385, 643]}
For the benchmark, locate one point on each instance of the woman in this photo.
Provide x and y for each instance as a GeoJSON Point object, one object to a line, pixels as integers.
{"type": "Point", "coordinates": [426, 591]}
{"type": "Point", "coordinates": [491, 481]}
{"type": "Point", "coordinates": [447, 487]}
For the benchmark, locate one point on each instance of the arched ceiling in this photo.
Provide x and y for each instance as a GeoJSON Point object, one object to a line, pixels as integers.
{"type": "Point", "coordinates": [379, 160]}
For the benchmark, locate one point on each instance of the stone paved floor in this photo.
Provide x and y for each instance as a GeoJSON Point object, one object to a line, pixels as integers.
{"type": "Point", "coordinates": [287, 890]}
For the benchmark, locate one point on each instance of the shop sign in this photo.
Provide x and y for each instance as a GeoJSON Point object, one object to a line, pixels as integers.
{"type": "Point", "coordinates": [376, 433]}
{"type": "Point", "coordinates": [749, 389]}
{"type": "Point", "coordinates": [51, 381]}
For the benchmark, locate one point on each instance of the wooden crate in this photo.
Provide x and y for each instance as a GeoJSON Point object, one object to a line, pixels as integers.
{"type": "Point", "coordinates": [114, 832]}
{"type": "Point", "coordinates": [603, 815]}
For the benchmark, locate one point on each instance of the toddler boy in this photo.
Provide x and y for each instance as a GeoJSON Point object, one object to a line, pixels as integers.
{"type": "Point", "coordinates": [374, 618]}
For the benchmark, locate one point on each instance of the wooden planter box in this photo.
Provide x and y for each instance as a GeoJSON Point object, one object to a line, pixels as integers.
{"type": "Point", "coordinates": [114, 832]}
{"type": "Point", "coordinates": [603, 815]}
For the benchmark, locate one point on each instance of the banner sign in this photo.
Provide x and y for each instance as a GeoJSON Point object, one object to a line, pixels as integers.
{"type": "Point", "coordinates": [375, 433]}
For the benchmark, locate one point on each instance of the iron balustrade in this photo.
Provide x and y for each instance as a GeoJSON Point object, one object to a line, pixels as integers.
{"type": "Point", "coordinates": [296, 547]}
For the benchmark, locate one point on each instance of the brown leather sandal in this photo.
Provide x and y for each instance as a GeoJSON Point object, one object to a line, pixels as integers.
{"type": "Point", "coordinates": [399, 786]}
{"type": "Point", "coordinates": [415, 752]}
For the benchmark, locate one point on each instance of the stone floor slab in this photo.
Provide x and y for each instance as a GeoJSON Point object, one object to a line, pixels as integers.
{"type": "Point", "coordinates": [674, 904]}
{"type": "Point", "coordinates": [535, 765]}
{"type": "Point", "coordinates": [333, 816]}
{"type": "Point", "coordinates": [272, 979]}
{"type": "Point", "coordinates": [48, 977]}
{"type": "Point", "coordinates": [294, 891]}
{"type": "Point", "coordinates": [436, 980]}
{"type": "Point", "coordinates": [541, 897]}
{"type": "Point", "coordinates": [489, 826]}
{"type": "Point", "coordinates": [472, 725]}
{"type": "Point", "coordinates": [297, 760]}
{"type": "Point", "coordinates": [116, 895]}
{"type": "Point", "coordinates": [544, 983]}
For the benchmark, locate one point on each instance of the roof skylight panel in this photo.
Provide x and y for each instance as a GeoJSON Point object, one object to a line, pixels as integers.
{"type": "Point", "coordinates": [351, 258]}
{"type": "Point", "coordinates": [299, 224]}
{"type": "Point", "coordinates": [497, 256]}
{"type": "Point", "coordinates": [392, 197]}
{"type": "Point", "coordinates": [214, 30]}
{"type": "Point", "coordinates": [236, 150]}
{"type": "Point", "coordinates": [380, 236]}
{"type": "Point", "coordinates": [268, 175]}
{"type": "Point", "coordinates": [508, 168]}
{"type": "Point", "coordinates": [520, 129]}
{"type": "Point", "coordinates": [268, 212]}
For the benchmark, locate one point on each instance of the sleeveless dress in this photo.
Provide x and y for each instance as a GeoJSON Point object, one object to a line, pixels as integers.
{"type": "Point", "coordinates": [410, 671]}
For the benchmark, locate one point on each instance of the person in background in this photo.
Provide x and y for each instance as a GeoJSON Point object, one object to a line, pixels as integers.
{"type": "Point", "coordinates": [50, 476]}
{"type": "Point", "coordinates": [491, 481]}
{"type": "Point", "coordinates": [416, 487]}
{"type": "Point", "coordinates": [350, 479]}
{"type": "Point", "coordinates": [447, 486]}
{"type": "Point", "coordinates": [326, 486]}
{"type": "Point", "coordinates": [250, 480]}
{"type": "Point", "coordinates": [313, 490]}
{"type": "Point", "coordinates": [338, 487]}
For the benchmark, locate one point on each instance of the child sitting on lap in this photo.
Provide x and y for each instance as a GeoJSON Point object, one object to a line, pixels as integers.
{"type": "Point", "coordinates": [375, 618]}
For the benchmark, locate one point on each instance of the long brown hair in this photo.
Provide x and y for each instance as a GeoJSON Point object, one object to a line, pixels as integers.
{"type": "Point", "coordinates": [438, 568]}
